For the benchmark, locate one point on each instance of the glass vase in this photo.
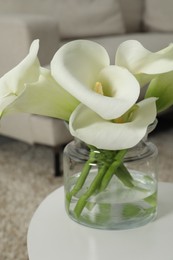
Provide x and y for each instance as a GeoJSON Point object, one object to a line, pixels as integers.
{"type": "Point", "coordinates": [111, 189]}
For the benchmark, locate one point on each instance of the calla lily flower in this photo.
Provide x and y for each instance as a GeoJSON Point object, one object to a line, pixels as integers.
{"type": "Point", "coordinates": [13, 82]}
{"type": "Point", "coordinates": [83, 69]}
{"type": "Point", "coordinates": [143, 63]}
{"type": "Point", "coordinates": [162, 88]}
{"type": "Point", "coordinates": [103, 134]}
{"type": "Point", "coordinates": [44, 97]}
{"type": "Point", "coordinates": [132, 55]}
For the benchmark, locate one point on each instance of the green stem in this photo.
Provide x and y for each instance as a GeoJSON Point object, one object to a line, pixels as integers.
{"type": "Point", "coordinates": [124, 176]}
{"type": "Point", "coordinates": [82, 178]}
{"type": "Point", "coordinates": [112, 169]}
{"type": "Point", "coordinates": [93, 187]}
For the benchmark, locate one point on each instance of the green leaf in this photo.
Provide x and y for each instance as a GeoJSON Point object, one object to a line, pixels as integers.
{"type": "Point", "coordinates": [162, 88]}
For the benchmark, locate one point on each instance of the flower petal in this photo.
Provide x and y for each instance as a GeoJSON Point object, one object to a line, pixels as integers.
{"type": "Point", "coordinates": [133, 56]}
{"type": "Point", "coordinates": [78, 62]}
{"type": "Point", "coordinates": [94, 130]}
{"type": "Point", "coordinates": [78, 65]}
{"type": "Point", "coordinates": [122, 91]}
{"type": "Point", "coordinates": [162, 88]}
{"type": "Point", "coordinates": [13, 82]}
{"type": "Point", "coordinates": [44, 97]}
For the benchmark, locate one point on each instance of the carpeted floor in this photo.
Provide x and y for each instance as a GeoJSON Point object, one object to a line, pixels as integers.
{"type": "Point", "coordinates": [26, 177]}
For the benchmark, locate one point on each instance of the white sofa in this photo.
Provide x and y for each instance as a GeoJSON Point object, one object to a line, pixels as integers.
{"type": "Point", "coordinates": [55, 22]}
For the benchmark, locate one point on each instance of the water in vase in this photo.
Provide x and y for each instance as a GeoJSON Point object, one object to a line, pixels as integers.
{"type": "Point", "coordinates": [118, 207]}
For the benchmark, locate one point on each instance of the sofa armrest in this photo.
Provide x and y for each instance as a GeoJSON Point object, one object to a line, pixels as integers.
{"type": "Point", "coordinates": [18, 31]}
{"type": "Point", "coordinates": [35, 129]}
{"type": "Point", "coordinates": [17, 126]}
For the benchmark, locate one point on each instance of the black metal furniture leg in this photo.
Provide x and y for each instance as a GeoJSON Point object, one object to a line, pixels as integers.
{"type": "Point", "coordinates": [57, 161]}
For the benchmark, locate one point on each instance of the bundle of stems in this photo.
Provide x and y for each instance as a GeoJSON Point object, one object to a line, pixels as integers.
{"type": "Point", "coordinates": [109, 163]}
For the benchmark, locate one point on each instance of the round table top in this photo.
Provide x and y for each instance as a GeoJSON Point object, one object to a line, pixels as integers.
{"type": "Point", "coordinates": [53, 235]}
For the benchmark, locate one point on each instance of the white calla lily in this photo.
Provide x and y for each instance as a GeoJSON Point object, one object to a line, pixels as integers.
{"type": "Point", "coordinates": [92, 129]}
{"type": "Point", "coordinates": [13, 83]}
{"type": "Point", "coordinates": [132, 55]}
{"type": "Point", "coordinates": [116, 83]}
{"type": "Point", "coordinates": [80, 65]}
{"type": "Point", "coordinates": [44, 97]}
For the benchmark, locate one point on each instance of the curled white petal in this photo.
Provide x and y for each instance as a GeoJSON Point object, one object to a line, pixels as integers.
{"type": "Point", "coordinates": [132, 55]}
{"type": "Point", "coordinates": [44, 97]}
{"type": "Point", "coordinates": [94, 130]}
{"type": "Point", "coordinates": [78, 65]}
{"type": "Point", "coordinates": [13, 83]}
{"type": "Point", "coordinates": [121, 89]}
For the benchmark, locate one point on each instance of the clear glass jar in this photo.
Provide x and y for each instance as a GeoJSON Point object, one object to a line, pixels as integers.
{"type": "Point", "coordinates": [111, 189]}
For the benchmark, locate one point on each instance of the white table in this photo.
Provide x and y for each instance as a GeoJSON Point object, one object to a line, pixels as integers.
{"type": "Point", "coordinates": [53, 236]}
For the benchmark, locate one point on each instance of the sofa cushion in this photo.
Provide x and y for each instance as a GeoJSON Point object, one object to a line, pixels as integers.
{"type": "Point", "coordinates": [158, 15]}
{"type": "Point", "coordinates": [76, 18]}
{"type": "Point", "coordinates": [17, 33]}
{"type": "Point", "coordinates": [132, 14]}
{"type": "Point", "coordinates": [90, 18]}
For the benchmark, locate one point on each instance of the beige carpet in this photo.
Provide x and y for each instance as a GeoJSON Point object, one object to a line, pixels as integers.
{"type": "Point", "coordinates": [26, 177]}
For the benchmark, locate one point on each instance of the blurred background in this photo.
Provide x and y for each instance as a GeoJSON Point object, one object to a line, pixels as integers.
{"type": "Point", "coordinates": [30, 145]}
